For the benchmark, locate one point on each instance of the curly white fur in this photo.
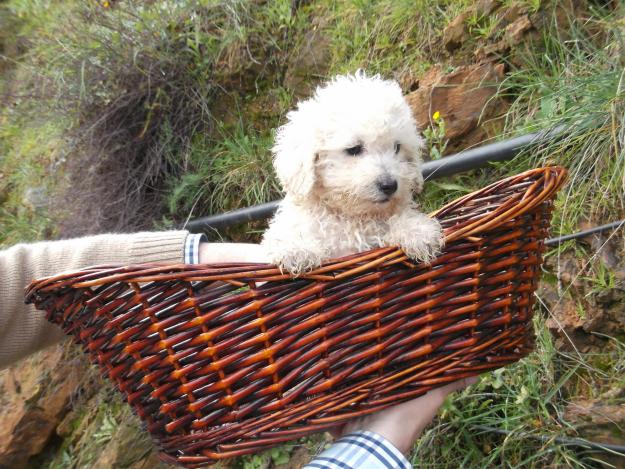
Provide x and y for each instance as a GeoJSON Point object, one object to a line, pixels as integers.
{"type": "Point", "coordinates": [337, 158]}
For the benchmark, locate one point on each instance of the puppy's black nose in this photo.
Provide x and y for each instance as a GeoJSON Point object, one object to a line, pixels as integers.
{"type": "Point", "coordinates": [387, 186]}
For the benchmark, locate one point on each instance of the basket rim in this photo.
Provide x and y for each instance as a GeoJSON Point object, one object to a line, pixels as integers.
{"type": "Point", "coordinates": [551, 177]}
{"type": "Point", "coordinates": [547, 181]}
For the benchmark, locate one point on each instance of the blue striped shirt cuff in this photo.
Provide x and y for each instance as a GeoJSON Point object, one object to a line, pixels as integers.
{"type": "Point", "coordinates": [360, 450]}
{"type": "Point", "coordinates": [192, 248]}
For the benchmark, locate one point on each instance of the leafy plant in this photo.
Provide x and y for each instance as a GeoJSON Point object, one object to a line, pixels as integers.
{"type": "Point", "coordinates": [435, 136]}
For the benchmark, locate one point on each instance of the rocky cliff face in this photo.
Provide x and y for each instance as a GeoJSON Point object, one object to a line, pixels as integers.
{"type": "Point", "coordinates": [35, 397]}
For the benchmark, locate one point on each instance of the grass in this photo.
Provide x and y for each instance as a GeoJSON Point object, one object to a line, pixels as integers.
{"type": "Point", "coordinates": [280, 455]}
{"type": "Point", "coordinates": [484, 26]}
{"type": "Point", "coordinates": [531, 5]}
{"type": "Point", "coordinates": [27, 176]}
{"type": "Point", "coordinates": [528, 400]}
{"type": "Point", "coordinates": [578, 83]}
{"type": "Point", "coordinates": [230, 171]}
{"type": "Point", "coordinates": [30, 143]}
{"type": "Point", "coordinates": [393, 38]}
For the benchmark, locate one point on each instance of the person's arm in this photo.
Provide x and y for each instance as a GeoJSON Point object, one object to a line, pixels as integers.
{"type": "Point", "coordinates": [24, 329]}
{"type": "Point", "coordinates": [231, 252]}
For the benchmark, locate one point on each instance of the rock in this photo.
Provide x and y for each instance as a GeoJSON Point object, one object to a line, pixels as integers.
{"type": "Point", "coordinates": [130, 447]}
{"type": "Point", "coordinates": [311, 60]}
{"type": "Point", "coordinates": [464, 99]}
{"type": "Point", "coordinates": [514, 33]}
{"type": "Point", "coordinates": [152, 462]}
{"type": "Point", "coordinates": [561, 15]}
{"type": "Point", "coordinates": [600, 420]}
{"type": "Point", "coordinates": [582, 305]}
{"type": "Point", "coordinates": [486, 7]}
{"type": "Point", "coordinates": [568, 270]}
{"type": "Point", "coordinates": [408, 79]}
{"type": "Point", "coordinates": [490, 52]}
{"type": "Point", "coordinates": [566, 323]}
{"type": "Point", "coordinates": [35, 198]}
{"type": "Point", "coordinates": [580, 318]}
{"type": "Point", "coordinates": [455, 32]}
{"type": "Point", "coordinates": [36, 394]}
{"type": "Point", "coordinates": [594, 412]}
{"type": "Point", "coordinates": [516, 30]}
{"type": "Point", "coordinates": [607, 298]}
{"type": "Point", "coordinates": [602, 244]}
{"type": "Point", "coordinates": [512, 13]}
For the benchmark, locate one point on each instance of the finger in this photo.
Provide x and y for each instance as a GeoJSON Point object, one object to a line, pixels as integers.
{"type": "Point", "coordinates": [471, 380]}
{"type": "Point", "coordinates": [442, 392]}
{"type": "Point", "coordinates": [462, 384]}
{"type": "Point", "coordinates": [337, 431]}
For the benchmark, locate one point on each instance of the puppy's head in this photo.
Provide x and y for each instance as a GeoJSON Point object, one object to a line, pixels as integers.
{"type": "Point", "coordinates": [353, 147]}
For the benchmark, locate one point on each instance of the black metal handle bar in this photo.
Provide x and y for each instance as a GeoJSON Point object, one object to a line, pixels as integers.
{"type": "Point", "coordinates": [453, 164]}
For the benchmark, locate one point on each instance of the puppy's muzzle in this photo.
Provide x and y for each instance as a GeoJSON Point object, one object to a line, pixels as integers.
{"type": "Point", "coordinates": [388, 186]}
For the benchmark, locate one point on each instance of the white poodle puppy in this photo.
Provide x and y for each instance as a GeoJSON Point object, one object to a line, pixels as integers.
{"type": "Point", "coordinates": [349, 162]}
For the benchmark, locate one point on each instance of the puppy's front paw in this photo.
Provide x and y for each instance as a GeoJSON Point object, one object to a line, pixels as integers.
{"type": "Point", "coordinates": [297, 261]}
{"type": "Point", "coordinates": [423, 249]}
{"type": "Point", "coordinates": [421, 239]}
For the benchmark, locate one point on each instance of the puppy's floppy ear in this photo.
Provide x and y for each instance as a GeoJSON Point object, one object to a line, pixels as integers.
{"type": "Point", "coordinates": [295, 154]}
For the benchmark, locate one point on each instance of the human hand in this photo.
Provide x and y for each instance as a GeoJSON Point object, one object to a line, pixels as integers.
{"type": "Point", "coordinates": [402, 424]}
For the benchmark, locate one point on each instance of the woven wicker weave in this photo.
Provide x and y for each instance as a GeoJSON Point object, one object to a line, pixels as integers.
{"type": "Point", "coordinates": [224, 360]}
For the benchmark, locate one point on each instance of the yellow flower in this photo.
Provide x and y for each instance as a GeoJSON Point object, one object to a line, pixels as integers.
{"type": "Point", "coordinates": [436, 116]}
{"type": "Point", "coordinates": [106, 4]}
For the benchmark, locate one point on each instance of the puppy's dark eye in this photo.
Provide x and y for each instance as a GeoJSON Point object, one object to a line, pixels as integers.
{"type": "Point", "coordinates": [397, 147]}
{"type": "Point", "coordinates": [354, 151]}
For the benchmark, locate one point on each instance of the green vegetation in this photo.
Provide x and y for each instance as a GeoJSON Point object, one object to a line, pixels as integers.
{"type": "Point", "coordinates": [395, 38]}
{"type": "Point", "coordinates": [138, 87]}
{"type": "Point", "coordinates": [528, 400]}
{"type": "Point", "coordinates": [578, 83]}
{"type": "Point", "coordinates": [128, 115]}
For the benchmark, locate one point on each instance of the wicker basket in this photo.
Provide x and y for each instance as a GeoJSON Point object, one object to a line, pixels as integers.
{"type": "Point", "coordinates": [224, 360]}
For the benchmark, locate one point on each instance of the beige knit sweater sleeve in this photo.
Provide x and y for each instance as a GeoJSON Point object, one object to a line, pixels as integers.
{"type": "Point", "coordinates": [23, 329]}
